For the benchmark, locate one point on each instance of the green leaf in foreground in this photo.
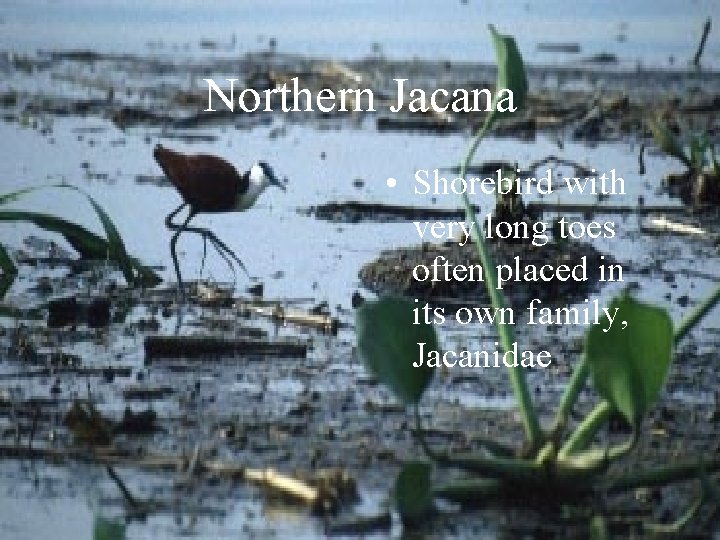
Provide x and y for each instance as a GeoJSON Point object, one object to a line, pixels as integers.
{"type": "Point", "coordinates": [510, 73]}
{"type": "Point", "coordinates": [86, 243]}
{"type": "Point", "coordinates": [8, 271]}
{"type": "Point", "coordinates": [413, 494]}
{"type": "Point", "coordinates": [629, 366]}
{"type": "Point", "coordinates": [15, 195]}
{"type": "Point", "coordinates": [387, 341]}
{"type": "Point", "coordinates": [116, 247]}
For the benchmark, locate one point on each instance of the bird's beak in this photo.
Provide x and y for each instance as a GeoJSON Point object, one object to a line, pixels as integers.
{"type": "Point", "coordinates": [278, 183]}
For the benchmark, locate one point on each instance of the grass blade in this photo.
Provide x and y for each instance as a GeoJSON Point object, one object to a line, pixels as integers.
{"type": "Point", "coordinates": [116, 246]}
{"type": "Point", "coordinates": [88, 244]}
{"type": "Point", "coordinates": [15, 195]}
{"type": "Point", "coordinates": [8, 271]}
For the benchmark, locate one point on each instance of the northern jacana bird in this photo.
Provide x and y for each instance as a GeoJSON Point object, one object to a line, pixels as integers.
{"type": "Point", "coordinates": [209, 184]}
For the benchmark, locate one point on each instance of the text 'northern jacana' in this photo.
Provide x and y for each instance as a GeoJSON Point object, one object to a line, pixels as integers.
{"type": "Point", "coordinates": [209, 184]}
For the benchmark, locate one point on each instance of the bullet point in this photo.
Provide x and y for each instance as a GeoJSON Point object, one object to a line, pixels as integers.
{"type": "Point", "coordinates": [391, 182]}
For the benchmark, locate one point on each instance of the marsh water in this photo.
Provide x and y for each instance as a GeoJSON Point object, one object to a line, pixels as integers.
{"type": "Point", "coordinates": [323, 409]}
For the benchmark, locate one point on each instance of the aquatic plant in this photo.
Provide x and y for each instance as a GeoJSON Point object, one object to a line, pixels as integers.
{"type": "Point", "coordinates": [627, 368]}
{"type": "Point", "coordinates": [700, 182]}
{"type": "Point", "coordinates": [700, 152]}
{"type": "Point", "coordinates": [88, 244]}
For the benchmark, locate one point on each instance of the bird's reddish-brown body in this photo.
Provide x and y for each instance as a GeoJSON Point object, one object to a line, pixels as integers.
{"type": "Point", "coordinates": [207, 183]}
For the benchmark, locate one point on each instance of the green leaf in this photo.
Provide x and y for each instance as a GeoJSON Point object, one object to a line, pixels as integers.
{"type": "Point", "coordinates": [698, 148]}
{"type": "Point", "coordinates": [106, 529]}
{"type": "Point", "coordinates": [86, 243]}
{"type": "Point", "coordinates": [8, 271]}
{"type": "Point", "coordinates": [15, 195]}
{"type": "Point", "coordinates": [116, 246]}
{"type": "Point", "coordinates": [715, 164]}
{"type": "Point", "coordinates": [667, 141]}
{"type": "Point", "coordinates": [510, 73]}
{"type": "Point", "coordinates": [599, 528]}
{"type": "Point", "coordinates": [629, 366]}
{"type": "Point", "coordinates": [7, 266]}
{"type": "Point", "coordinates": [388, 340]}
{"type": "Point", "coordinates": [413, 492]}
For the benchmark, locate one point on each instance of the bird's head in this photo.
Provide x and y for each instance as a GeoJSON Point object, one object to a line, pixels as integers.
{"type": "Point", "coordinates": [262, 174]}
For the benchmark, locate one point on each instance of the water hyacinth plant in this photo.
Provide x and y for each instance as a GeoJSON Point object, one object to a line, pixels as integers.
{"type": "Point", "coordinates": [88, 244]}
{"type": "Point", "coordinates": [627, 367]}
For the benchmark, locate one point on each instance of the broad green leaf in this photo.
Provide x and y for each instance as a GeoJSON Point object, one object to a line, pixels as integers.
{"type": "Point", "coordinates": [388, 340]}
{"type": "Point", "coordinates": [667, 141]}
{"type": "Point", "coordinates": [510, 73]}
{"type": "Point", "coordinates": [629, 366]}
{"type": "Point", "coordinates": [413, 493]}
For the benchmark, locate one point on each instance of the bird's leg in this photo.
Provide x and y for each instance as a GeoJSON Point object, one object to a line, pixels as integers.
{"type": "Point", "coordinates": [225, 258]}
{"type": "Point", "coordinates": [173, 242]}
{"type": "Point", "coordinates": [168, 220]}
{"type": "Point", "coordinates": [203, 233]}
{"type": "Point", "coordinates": [219, 246]}
{"type": "Point", "coordinates": [207, 235]}
{"type": "Point", "coordinates": [223, 250]}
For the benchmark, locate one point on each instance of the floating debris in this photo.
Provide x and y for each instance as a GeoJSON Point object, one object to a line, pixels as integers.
{"type": "Point", "coordinates": [207, 348]}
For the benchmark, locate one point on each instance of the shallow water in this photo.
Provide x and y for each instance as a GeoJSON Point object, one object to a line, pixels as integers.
{"type": "Point", "coordinates": [645, 31]}
{"type": "Point", "coordinates": [296, 256]}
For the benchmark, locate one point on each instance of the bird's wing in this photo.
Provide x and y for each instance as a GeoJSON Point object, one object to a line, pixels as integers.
{"type": "Point", "coordinates": [208, 183]}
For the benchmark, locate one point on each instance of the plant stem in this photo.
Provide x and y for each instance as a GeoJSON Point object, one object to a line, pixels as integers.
{"type": "Point", "coordinates": [662, 475]}
{"type": "Point", "coordinates": [470, 491]}
{"type": "Point", "coordinates": [506, 333]}
{"type": "Point", "coordinates": [587, 429]}
{"type": "Point", "coordinates": [596, 458]}
{"type": "Point", "coordinates": [697, 314]}
{"type": "Point", "coordinates": [572, 390]}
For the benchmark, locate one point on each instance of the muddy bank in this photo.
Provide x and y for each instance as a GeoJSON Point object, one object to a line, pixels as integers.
{"type": "Point", "coordinates": [392, 272]}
